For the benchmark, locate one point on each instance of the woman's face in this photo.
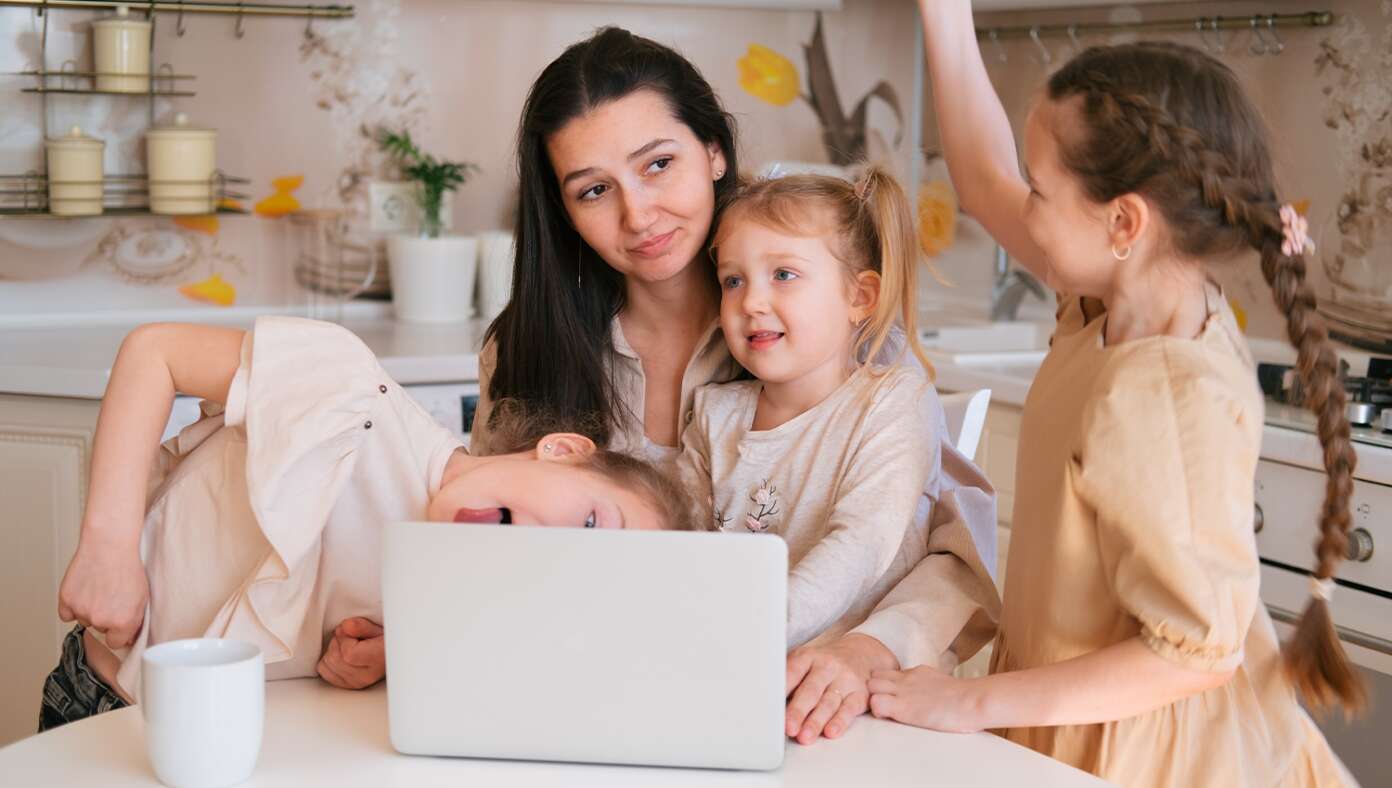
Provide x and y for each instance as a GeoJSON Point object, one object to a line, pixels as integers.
{"type": "Point", "coordinates": [552, 486]}
{"type": "Point", "coordinates": [637, 184]}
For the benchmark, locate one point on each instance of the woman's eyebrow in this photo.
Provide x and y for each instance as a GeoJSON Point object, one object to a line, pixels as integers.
{"type": "Point", "coordinates": [634, 155]}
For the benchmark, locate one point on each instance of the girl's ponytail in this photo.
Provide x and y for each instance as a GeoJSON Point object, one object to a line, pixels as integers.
{"type": "Point", "coordinates": [884, 208]}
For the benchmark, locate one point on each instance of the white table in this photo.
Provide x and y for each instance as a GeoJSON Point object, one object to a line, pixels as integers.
{"type": "Point", "coordinates": [318, 735]}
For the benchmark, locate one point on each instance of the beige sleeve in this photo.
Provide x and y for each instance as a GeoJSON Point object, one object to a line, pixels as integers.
{"type": "Point", "coordinates": [479, 435]}
{"type": "Point", "coordinates": [1175, 541]}
{"type": "Point", "coordinates": [879, 492]}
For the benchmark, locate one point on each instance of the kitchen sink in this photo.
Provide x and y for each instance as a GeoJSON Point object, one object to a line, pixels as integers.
{"type": "Point", "coordinates": [1014, 344]}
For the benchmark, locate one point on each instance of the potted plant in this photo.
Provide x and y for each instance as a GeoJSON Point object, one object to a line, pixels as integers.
{"type": "Point", "coordinates": [432, 274]}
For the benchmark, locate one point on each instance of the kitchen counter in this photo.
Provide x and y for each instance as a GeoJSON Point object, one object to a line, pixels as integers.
{"type": "Point", "coordinates": [76, 361]}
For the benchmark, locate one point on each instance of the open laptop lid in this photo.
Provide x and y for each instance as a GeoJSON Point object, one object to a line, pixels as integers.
{"type": "Point", "coordinates": [567, 644]}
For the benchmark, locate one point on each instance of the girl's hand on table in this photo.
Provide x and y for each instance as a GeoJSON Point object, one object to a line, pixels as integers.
{"type": "Point", "coordinates": [105, 589]}
{"type": "Point", "coordinates": [927, 698]}
{"type": "Point", "coordinates": [827, 685]}
{"type": "Point", "coordinates": [356, 656]}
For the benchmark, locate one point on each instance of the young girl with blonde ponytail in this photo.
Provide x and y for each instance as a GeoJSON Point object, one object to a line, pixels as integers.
{"type": "Point", "coordinates": [1133, 643]}
{"type": "Point", "coordinates": [844, 458]}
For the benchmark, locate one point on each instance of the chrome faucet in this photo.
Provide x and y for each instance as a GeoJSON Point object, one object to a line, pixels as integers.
{"type": "Point", "coordinates": [1010, 287]}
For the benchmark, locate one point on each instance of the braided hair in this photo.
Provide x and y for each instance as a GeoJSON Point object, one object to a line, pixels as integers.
{"type": "Point", "coordinates": [1173, 124]}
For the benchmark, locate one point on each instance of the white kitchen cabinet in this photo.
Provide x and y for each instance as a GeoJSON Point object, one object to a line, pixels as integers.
{"type": "Point", "coordinates": [45, 447]}
{"type": "Point", "coordinates": [996, 455]}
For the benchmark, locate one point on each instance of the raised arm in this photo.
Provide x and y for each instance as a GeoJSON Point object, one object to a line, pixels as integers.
{"type": "Point", "coordinates": [976, 136]}
{"type": "Point", "coordinates": [105, 587]}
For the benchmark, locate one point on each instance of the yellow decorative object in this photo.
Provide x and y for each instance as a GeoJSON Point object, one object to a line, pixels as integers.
{"type": "Point", "coordinates": [207, 223]}
{"type": "Point", "coordinates": [937, 217]}
{"type": "Point", "coordinates": [1239, 313]}
{"type": "Point", "coordinates": [214, 290]}
{"type": "Point", "coordinates": [1301, 207]}
{"type": "Point", "coordinates": [230, 204]}
{"type": "Point", "coordinates": [283, 201]}
{"type": "Point", "coordinates": [768, 76]}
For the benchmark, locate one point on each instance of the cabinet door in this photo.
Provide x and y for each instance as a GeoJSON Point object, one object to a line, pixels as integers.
{"type": "Point", "coordinates": [45, 444]}
{"type": "Point", "coordinates": [996, 456]}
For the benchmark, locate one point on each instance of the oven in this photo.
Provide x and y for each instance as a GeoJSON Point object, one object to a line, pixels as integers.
{"type": "Point", "coordinates": [1289, 492]}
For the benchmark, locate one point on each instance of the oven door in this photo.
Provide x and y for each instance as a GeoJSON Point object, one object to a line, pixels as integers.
{"type": "Point", "coordinates": [1288, 498]}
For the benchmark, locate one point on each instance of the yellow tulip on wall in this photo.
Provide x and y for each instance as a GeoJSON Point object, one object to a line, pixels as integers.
{"type": "Point", "coordinates": [769, 76]}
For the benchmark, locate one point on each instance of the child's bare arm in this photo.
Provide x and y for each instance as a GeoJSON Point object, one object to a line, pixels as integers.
{"type": "Point", "coordinates": [976, 135]}
{"type": "Point", "coordinates": [105, 587]}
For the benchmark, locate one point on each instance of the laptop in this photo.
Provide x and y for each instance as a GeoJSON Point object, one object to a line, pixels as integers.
{"type": "Point", "coordinates": [569, 644]}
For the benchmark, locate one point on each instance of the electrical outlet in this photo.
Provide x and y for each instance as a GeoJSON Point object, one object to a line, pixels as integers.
{"type": "Point", "coordinates": [394, 208]}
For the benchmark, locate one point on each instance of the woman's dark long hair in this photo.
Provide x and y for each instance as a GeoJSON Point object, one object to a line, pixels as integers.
{"type": "Point", "coordinates": [553, 334]}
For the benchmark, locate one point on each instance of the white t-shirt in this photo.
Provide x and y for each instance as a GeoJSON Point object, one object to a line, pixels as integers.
{"type": "Point", "coordinates": [265, 519]}
{"type": "Point", "coordinates": [880, 513]}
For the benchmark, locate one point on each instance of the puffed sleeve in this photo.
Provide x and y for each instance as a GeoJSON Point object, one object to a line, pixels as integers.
{"type": "Point", "coordinates": [1167, 464]}
{"type": "Point", "coordinates": [307, 395]}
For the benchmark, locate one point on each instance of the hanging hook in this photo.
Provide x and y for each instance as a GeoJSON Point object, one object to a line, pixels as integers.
{"type": "Point", "coordinates": [1073, 36]}
{"type": "Point", "coordinates": [1217, 34]}
{"type": "Point", "coordinates": [1258, 45]}
{"type": "Point", "coordinates": [179, 20]}
{"type": "Point", "coordinates": [240, 33]}
{"type": "Point", "coordinates": [1279, 45]}
{"type": "Point", "coordinates": [1045, 56]}
{"type": "Point", "coordinates": [995, 42]}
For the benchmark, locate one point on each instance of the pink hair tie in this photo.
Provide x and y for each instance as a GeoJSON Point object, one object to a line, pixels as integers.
{"type": "Point", "coordinates": [1295, 232]}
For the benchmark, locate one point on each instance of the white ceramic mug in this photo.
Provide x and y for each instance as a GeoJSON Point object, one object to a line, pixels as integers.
{"type": "Point", "coordinates": [432, 279]}
{"type": "Point", "coordinates": [204, 704]}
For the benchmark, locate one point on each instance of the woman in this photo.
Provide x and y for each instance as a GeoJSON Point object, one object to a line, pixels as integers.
{"type": "Point", "coordinates": [624, 155]}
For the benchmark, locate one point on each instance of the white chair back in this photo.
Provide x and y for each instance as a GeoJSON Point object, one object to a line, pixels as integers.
{"type": "Point", "coordinates": [966, 418]}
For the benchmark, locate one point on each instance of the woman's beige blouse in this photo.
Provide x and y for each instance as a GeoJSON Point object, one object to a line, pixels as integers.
{"type": "Point", "coordinates": [1133, 518]}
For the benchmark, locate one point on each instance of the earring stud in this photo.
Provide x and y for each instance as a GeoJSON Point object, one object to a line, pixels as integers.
{"type": "Point", "coordinates": [547, 448]}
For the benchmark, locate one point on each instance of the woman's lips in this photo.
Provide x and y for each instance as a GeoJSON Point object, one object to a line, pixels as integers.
{"type": "Point", "coordinates": [762, 340]}
{"type": "Point", "coordinates": [496, 516]}
{"type": "Point", "coordinates": [654, 247]}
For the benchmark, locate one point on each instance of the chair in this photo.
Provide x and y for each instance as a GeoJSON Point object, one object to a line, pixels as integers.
{"type": "Point", "coordinates": [966, 418]}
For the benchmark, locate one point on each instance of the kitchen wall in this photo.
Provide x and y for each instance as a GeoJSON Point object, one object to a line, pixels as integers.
{"type": "Point", "coordinates": [1327, 100]}
{"type": "Point", "coordinates": [287, 100]}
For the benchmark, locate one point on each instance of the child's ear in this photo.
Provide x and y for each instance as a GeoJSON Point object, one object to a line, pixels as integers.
{"type": "Point", "coordinates": [865, 296]}
{"type": "Point", "coordinates": [1128, 219]}
{"type": "Point", "coordinates": [564, 446]}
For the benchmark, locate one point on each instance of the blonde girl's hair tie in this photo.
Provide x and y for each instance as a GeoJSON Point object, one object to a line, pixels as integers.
{"type": "Point", "coordinates": [1295, 233]}
{"type": "Point", "coordinates": [1322, 588]}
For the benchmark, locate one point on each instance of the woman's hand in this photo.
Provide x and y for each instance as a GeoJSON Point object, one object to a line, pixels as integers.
{"type": "Point", "coordinates": [827, 685]}
{"type": "Point", "coordinates": [356, 657]}
{"type": "Point", "coordinates": [926, 698]}
{"type": "Point", "coordinates": [105, 589]}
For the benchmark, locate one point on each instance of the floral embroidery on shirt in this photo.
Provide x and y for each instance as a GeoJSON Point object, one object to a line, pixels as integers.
{"type": "Point", "coordinates": [721, 520]}
{"type": "Point", "coordinates": [765, 500]}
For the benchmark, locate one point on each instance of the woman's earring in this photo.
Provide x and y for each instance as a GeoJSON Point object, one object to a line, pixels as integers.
{"type": "Point", "coordinates": [1120, 256]}
{"type": "Point", "coordinates": [719, 174]}
{"type": "Point", "coordinates": [547, 448]}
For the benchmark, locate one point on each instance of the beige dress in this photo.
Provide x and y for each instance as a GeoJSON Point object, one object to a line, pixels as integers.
{"type": "Point", "coordinates": [1133, 518]}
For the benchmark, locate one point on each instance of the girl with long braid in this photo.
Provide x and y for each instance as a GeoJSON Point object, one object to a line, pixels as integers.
{"type": "Point", "coordinates": [1132, 641]}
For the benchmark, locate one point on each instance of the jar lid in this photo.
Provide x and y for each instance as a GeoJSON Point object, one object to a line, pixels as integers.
{"type": "Point", "coordinates": [181, 128]}
{"type": "Point", "coordinates": [121, 18]}
{"type": "Point", "coordinates": [75, 139]}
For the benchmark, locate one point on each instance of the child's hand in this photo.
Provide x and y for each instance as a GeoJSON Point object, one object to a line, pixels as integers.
{"type": "Point", "coordinates": [356, 657]}
{"type": "Point", "coordinates": [105, 589]}
{"type": "Point", "coordinates": [827, 686]}
{"type": "Point", "coordinates": [926, 698]}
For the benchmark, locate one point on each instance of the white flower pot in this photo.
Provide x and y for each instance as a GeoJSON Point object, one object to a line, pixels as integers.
{"type": "Point", "coordinates": [432, 279]}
